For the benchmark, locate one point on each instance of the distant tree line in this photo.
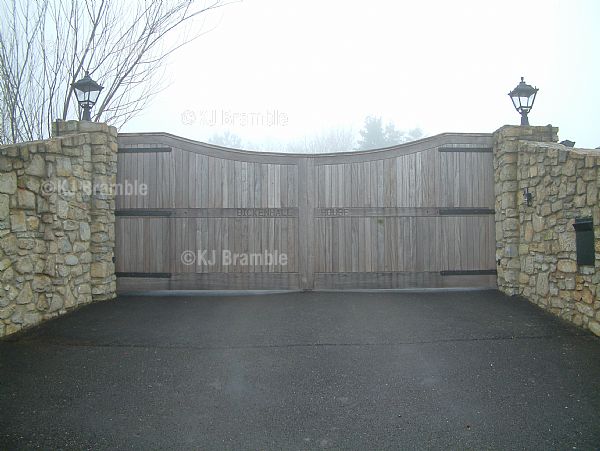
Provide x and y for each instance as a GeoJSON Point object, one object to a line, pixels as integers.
{"type": "Point", "coordinates": [373, 135]}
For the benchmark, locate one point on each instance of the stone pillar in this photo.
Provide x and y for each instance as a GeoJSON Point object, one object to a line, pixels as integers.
{"type": "Point", "coordinates": [509, 198]}
{"type": "Point", "coordinates": [100, 151]}
{"type": "Point", "coordinates": [57, 232]}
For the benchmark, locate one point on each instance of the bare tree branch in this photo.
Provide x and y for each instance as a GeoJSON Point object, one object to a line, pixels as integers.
{"type": "Point", "coordinates": [47, 45]}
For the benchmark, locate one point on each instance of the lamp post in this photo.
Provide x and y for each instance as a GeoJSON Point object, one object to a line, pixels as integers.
{"type": "Point", "coordinates": [522, 98]}
{"type": "Point", "coordinates": [87, 92]}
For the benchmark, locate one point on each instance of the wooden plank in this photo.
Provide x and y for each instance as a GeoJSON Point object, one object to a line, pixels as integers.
{"type": "Point", "coordinates": [372, 167]}
{"type": "Point", "coordinates": [144, 149]}
{"type": "Point", "coordinates": [194, 192]}
{"type": "Point", "coordinates": [145, 275]}
{"type": "Point", "coordinates": [370, 245]}
{"type": "Point", "coordinates": [456, 178]}
{"type": "Point", "coordinates": [264, 183]}
{"type": "Point", "coordinates": [293, 185]}
{"type": "Point", "coordinates": [327, 245]}
{"type": "Point", "coordinates": [283, 186]}
{"type": "Point", "coordinates": [468, 211]}
{"type": "Point", "coordinates": [231, 182]}
{"type": "Point", "coordinates": [341, 248]}
{"type": "Point", "coordinates": [401, 280]}
{"type": "Point", "coordinates": [205, 281]}
{"type": "Point", "coordinates": [257, 185]}
{"type": "Point", "coordinates": [466, 149]}
{"type": "Point", "coordinates": [238, 184]}
{"type": "Point", "coordinates": [469, 272]}
{"type": "Point", "coordinates": [167, 185]}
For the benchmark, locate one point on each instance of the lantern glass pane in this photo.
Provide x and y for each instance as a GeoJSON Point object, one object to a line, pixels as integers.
{"type": "Point", "coordinates": [79, 94]}
{"type": "Point", "coordinates": [93, 96]}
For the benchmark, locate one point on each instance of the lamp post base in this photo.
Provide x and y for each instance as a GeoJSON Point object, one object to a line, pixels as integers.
{"type": "Point", "coordinates": [86, 114]}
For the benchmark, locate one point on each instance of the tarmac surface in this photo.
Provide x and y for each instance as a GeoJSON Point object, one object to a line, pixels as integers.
{"type": "Point", "coordinates": [286, 371]}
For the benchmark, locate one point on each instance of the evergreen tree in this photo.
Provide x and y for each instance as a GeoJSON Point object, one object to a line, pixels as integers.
{"type": "Point", "coordinates": [375, 136]}
{"type": "Point", "coordinates": [372, 135]}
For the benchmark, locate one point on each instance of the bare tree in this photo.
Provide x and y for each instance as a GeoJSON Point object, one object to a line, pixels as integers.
{"type": "Point", "coordinates": [338, 139]}
{"type": "Point", "coordinates": [46, 45]}
{"type": "Point", "coordinates": [226, 139]}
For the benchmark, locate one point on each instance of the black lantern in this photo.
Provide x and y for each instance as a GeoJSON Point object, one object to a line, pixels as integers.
{"type": "Point", "coordinates": [522, 98]}
{"type": "Point", "coordinates": [87, 92]}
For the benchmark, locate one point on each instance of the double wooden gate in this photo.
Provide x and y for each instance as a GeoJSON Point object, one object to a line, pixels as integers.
{"type": "Point", "coordinates": [195, 216]}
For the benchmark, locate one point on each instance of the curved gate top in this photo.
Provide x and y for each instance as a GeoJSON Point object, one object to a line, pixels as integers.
{"type": "Point", "coordinates": [196, 216]}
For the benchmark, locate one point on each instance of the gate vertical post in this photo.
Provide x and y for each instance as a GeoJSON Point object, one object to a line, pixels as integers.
{"type": "Point", "coordinates": [306, 207]}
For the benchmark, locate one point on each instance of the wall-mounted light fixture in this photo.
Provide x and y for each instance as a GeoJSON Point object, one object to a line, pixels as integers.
{"type": "Point", "coordinates": [527, 196]}
{"type": "Point", "coordinates": [567, 143]}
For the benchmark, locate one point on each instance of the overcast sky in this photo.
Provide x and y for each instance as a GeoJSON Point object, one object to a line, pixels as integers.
{"type": "Point", "coordinates": [301, 67]}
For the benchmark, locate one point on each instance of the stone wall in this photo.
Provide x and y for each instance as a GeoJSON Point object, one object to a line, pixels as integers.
{"type": "Point", "coordinates": [536, 250]}
{"type": "Point", "coordinates": [56, 223]}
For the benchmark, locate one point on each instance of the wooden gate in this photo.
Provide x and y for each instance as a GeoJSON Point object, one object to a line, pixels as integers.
{"type": "Point", "coordinates": [196, 216]}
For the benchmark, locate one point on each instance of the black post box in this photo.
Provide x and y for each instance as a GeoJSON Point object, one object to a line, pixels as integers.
{"type": "Point", "coordinates": [584, 239]}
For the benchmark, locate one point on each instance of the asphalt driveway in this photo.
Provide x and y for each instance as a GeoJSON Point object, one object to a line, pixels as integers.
{"type": "Point", "coordinates": [459, 370]}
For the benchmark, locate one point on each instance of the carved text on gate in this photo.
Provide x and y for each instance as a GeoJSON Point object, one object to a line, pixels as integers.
{"type": "Point", "coordinates": [334, 212]}
{"type": "Point", "coordinates": [265, 212]}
